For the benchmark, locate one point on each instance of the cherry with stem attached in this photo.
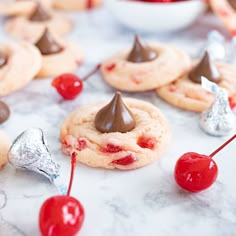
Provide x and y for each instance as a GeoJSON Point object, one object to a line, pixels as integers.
{"type": "Point", "coordinates": [69, 86]}
{"type": "Point", "coordinates": [62, 215]}
{"type": "Point", "coordinates": [196, 172]}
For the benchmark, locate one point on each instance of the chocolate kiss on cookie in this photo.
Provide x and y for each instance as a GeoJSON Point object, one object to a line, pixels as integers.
{"type": "Point", "coordinates": [205, 68]}
{"type": "Point", "coordinates": [39, 14]}
{"type": "Point", "coordinates": [3, 59]}
{"type": "Point", "coordinates": [232, 3]}
{"type": "Point", "coordinates": [115, 117]}
{"type": "Point", "coordinates": [4, 112]}
{"type": "Point", "coordinates": [141, 53]}
{"type": "Point", "coordinates": [47, 45]}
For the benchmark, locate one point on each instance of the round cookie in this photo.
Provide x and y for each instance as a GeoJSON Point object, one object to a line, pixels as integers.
{"type": "Point", "coordinates": [76, 5]}
{"type": "Point", "coordinates": [23, 27]}
{"type": "Point", "coordinates": [185, 94]}
{"type": "Point", "coordinates": [226, 10]}
{"type": "Point", "coordinates": [56, 52]}
{"type": "Point", "coordinates": [142, 145]}
{"type": "Point", "coordinates": [21, 7]}
{"type": "Point", "coordinates": [4, 148]}
{"type": "Point", "coordinates": [124, 75]}
{"type": "Point", "coordinates": [22, 63]}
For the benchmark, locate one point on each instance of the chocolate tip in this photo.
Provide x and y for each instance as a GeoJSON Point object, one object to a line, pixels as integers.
{"type": "Point", "coordinates": [140, 52]}
{"type": "Point", "coordinates": [115, 117]}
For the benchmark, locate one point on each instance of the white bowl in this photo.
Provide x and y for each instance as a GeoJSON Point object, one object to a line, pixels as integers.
{"type": "Point", "coordinates": [156, 16]}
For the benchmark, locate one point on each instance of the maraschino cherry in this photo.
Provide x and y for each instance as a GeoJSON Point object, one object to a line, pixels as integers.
{"type": "Point", "coordinates": [160, 1]}
{"type": "Point", "coordinates": [69, 86]}
{"type": "Point", "coordinates": [196, 172]}
{"type": "Point", "coordinates": [62, 215]}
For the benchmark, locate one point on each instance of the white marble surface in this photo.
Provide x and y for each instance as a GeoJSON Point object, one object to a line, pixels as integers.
{"type": "Point", "coordinates": [134, 203]}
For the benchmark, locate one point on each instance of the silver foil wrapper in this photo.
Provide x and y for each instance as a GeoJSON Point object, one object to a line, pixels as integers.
{"type": "Point", "coordinates": [215, 46]}
{"type": "Point", "coordinates": [218, 120]}
{"type": "Point", "coordinates": [29, 151]}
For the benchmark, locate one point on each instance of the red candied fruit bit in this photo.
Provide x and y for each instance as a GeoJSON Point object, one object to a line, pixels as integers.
{"type": "Point", "coordinates": [147, 142]}
{"type": "Point", "coordinates": [233, 32]}
{"type": "Point", "coordinates": [111, 67]}
{"type": "Point", "coordinates": [78, 62]}
{"type": "Point", "coordinates": [124, 161]}
{"type": "Point", "coordinates": [82, 144]}
{"type": "Point", "coordinates": [232, 101]}
{"type": "Point", "coordinates": [224, 12]}
{"type": "Point", "coordinates": [111, 148]}
{"type": "Point", "coordinates": [89, 4]}
{"type": "Point", "coordinates": [172, 88]}
{"type": "Point", "coordinates": [64, 143]}
{"type": "Point", "coordinates": [136, 80]}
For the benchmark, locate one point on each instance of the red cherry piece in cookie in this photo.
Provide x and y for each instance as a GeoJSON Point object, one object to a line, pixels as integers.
{"type": "Point", "coordinates": [127, 160]}
{"type": "Point", "coordinates": [82, 144]}
{"type": "Point", "coordinates": [232, 101]}
{"type": "Point", "coordinates": [69, 86]}
{"type": "Point", "coordinates": [61, 215]}
{"type": "Point", "coordinates": [111, 148]}
{"type": "Point", "coordinates": [90, 4]}
{"type": "Point", "coordinates": [111, 67]}
{"type": "Point", "coordinates": [147, 142]}
{"type": "Point", "coordinates": [195, 172]}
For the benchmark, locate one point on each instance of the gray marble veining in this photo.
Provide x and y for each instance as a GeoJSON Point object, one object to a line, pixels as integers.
{"type": "Point", "coordinates": [134, 203]}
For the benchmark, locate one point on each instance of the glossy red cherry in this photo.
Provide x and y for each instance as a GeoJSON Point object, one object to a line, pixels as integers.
{"type": "Point", "coordinates": [62, 215]}
{"type": "Point", "coordinates": [161, 1]}
{"type": "Point", "coordinates": [69, 86]}
{"type": "Point", "coordinates": [195, 172]}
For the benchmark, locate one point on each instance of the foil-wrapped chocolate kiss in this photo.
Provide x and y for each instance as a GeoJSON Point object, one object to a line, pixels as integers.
{"type": "Point", "coordinates": [218, 119]}
{"type": "Point", "coordinates": [29, 151]}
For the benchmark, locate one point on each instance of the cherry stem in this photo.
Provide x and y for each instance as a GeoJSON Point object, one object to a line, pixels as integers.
{"type": "Point", "coordinates": [222, 146]}
{"type": "Point", "coordinates": [73, 164]}
{"type": "Point", "coordinates": [97, 68]}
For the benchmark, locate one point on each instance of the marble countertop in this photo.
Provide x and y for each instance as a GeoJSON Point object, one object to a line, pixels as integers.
{"type": "Point", "coordinates": [133, 203]}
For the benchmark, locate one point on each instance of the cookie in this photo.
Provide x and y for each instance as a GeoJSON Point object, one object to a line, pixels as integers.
{"type": "Point", "coordinates": [19, 63]}
{"type": "Point", "coordinates": [75, 5]}
{"type": "Point", "coordinates": [125, 134]}
{"type": "Point", "coordinates": [56, 52]}
{"type": "Point", "coordinates": [4, 148]}
{"type": "Point", "coordinates": [144, 73]}
{"type": "Point", "coordinates": [226, 11]}
{"type": "Point", "coordinates": [188, 95]}
{"type": "Point", "coordinates": [30, 28]}
{"type": "Point", "coordinates": [21, 7]}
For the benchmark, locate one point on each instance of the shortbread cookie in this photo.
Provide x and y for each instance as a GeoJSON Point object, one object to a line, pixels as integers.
{"type": "Point", "coordinates": [19, 63]}
{"type": "Point", "coordinates": [30, 28]}
{"type": "Point", "coordinates": [75, 5]}
{"type": "Point", "coordinates": [58, 56]}
{"type": "Point", "coordinates": [113, 140]}
{"type": "Point", "coordinates": [145, 67]}
{"type": "Point", "coordinates": [21, 7]}
{"type": "Point", "coordinates": [226, 10]}
{"type": "Point", "coordinates": [186, 94]}
{"type": "Point", "coordinates": [4, 148]}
